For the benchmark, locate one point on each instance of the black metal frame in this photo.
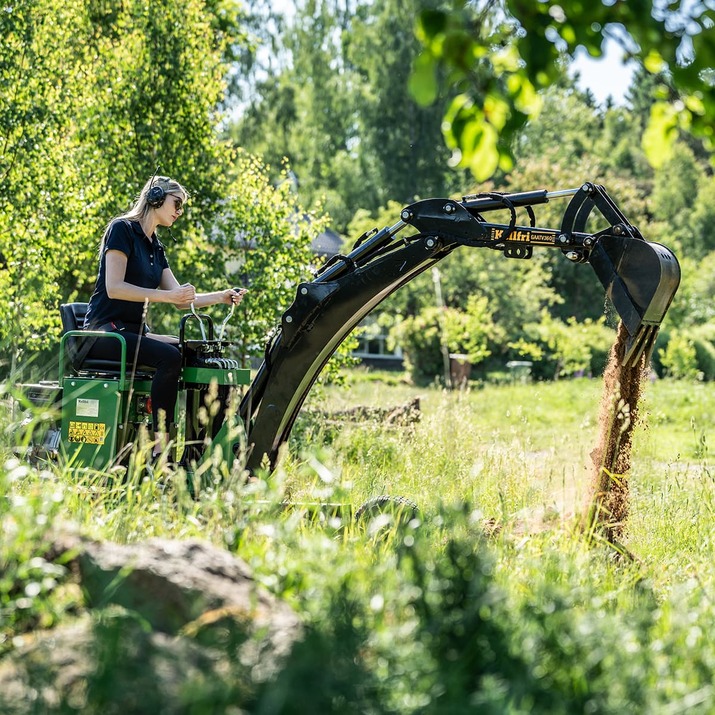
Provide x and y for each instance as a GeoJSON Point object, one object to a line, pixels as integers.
{"type": "Point", "coordinates": [639, 277]}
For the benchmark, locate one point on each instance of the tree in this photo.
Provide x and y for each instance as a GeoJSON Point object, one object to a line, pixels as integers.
{"type": "Point", "coordinates": [308, 103]}
{"type": "Point", "coordinates": [702, 220]}
{"type": "Point", "coordinates": [96, 96]}
{"type": "Point", "coordinates": [400, 138]}
{"type": "Point", "coordinates": [340, 111]}
{"type": "Point", "coordinates": [500, 53]}
{"type": "Point", "coordinates": [566, 129]}
{"type": "Point", "coordinates": [680, 204]}
{"type": "Point", "coordinates": [42, 71]}
{"type": "Point", "coordinates": [675, 186]}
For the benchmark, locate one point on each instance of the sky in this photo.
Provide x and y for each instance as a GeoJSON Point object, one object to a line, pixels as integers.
{"type": "Point", "coordinates": [606, 76]}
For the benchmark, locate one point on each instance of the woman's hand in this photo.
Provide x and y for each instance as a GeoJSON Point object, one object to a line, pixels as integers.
{"type": "Point", "coordinates": [233, 295]}
{"type": "Point", "coordinates": [182, 295]}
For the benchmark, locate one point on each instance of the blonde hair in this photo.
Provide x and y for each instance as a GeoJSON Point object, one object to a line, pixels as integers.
{"type": "Point", "coordinates": [141, 205]}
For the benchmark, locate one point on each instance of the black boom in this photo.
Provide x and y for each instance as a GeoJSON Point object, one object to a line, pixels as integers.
{"type": "Point", "coordinates": [639, 277]}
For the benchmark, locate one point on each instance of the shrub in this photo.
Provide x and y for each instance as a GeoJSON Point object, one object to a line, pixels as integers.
{"type": "Point", "coordinates": [679, 357]}
{"type": "Point", "coordinates": [705, 358]}
{"type": "Point", "coordinates": [703, 337]}
{"type": "Point", "coordinates": [419, 336]}
{"type": "Point", "coordinates": [567, 349]}
{"type": "Point", "coordinates": [425, 336]}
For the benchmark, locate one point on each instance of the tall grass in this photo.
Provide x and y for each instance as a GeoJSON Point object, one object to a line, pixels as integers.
{"type": "Point", "coordinates": [488, 601]}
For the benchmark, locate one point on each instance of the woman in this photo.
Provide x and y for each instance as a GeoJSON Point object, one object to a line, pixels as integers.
{"type": "Point", "coordinates": [133, 272]}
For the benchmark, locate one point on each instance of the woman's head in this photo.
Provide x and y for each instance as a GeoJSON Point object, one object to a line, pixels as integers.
{"type": "Point", "coordinates": [162, 195]}
{"type": "Point", "coordinates": [158, 188]}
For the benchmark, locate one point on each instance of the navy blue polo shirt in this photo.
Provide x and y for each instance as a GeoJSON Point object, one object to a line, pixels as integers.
{"type": "Point", "coordinates": [146, 261]}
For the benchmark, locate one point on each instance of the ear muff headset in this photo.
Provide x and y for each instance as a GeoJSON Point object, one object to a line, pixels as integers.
{"type": "Point", "coordinates": [156, 196]}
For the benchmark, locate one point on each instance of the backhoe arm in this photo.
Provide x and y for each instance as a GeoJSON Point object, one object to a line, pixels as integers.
{"type": "Point", "coordinates": [640, 278]}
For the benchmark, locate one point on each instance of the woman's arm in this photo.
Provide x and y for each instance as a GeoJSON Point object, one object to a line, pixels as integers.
{"type": "Point", "coordinates": [119, 289]}
{"type": "Point", "coordinates": [201, 300]}
{"type": "Point", "coordinates": [228, 296]}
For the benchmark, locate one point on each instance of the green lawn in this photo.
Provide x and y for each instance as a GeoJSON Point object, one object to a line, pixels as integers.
{"type": "Point", "coordinates": [528, 440]}
{"type": "Point", "coordinates": [491, 600]}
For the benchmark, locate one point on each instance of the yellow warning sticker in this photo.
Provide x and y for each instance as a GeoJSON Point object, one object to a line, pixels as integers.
{"type": "Point", "coordinates": [87, 432]}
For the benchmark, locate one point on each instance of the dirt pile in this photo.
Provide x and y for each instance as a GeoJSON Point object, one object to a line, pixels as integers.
{"type": "Point", "coordinates": [608, 503]}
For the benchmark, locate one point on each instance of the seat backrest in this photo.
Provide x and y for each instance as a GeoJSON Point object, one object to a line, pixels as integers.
{"type": "Point", "coordinates": [72, 316]}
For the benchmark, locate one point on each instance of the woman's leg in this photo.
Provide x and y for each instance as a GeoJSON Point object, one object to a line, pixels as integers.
{"type": "Point", "coordinates": [165, 357]}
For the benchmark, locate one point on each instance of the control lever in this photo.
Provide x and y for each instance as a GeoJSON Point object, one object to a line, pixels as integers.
{"type": "Point", "coordinates": [201, 322]}
{"type": "Point", "coordinates": [226, 319]}
{"type": "Point", "coordinates": [241, 292]}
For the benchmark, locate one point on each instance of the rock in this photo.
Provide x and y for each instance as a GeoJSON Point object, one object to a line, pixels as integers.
{"type": "Point", "coordinates": [172, 583]}
{"type": "Point", "coordinates": [107, 663]}
{"type": "Point", "coordinates": [161, 614]}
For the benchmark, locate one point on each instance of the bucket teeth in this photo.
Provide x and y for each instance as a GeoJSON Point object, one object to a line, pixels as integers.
{"type": "Point", "coordinates": [641, 344]}
{"type": "Point", "coordinates": [640, 279]}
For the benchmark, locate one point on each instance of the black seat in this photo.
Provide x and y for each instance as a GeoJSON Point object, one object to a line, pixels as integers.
{"type": "Point", "coordinates": [72, 316]}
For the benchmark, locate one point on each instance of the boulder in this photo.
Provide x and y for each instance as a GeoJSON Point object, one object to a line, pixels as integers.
{"type": "Point", "coordinates": [168, 624]}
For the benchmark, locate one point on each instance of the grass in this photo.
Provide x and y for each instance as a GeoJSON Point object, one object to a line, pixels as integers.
{"type": "Point", "coordinates": [519, 454]}
{"type": "Point", "coordinates": [490, 601]}
{"type": "Point", "coordinates": [506, 448]}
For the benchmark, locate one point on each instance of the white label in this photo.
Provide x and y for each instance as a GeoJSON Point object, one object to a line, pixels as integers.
{"type": "Point", "coordinates": [87, 408]}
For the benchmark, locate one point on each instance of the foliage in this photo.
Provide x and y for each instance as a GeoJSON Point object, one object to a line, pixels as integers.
{"type": "Point", "coordinates": [426, 337]}
{"type": "Point", "coordinates": [91, 139]}
{"type": "Point", "coordinates": [337, 102]}
{"type": "Point", "coordinates": [399, 138]}
{"type": "Point", "coordinates": [570, 140]}
{"type": "Point", "coordinates": [692, 355]}
{"type": "Point", "coordinates": [565, 128]}
{"type": "Point", "coordinates": [469, 332]}
{"type": "Point", "coordinates": [697, 239]}
{"type": "Point", "coordinates": [500, 54]}
{"type": "Point", "coordinates": [421, 339]}
{"type": "Point", "coordinates": [98, 97]}
{"type": "Point", "coordinates": [562, 349]}
{"type": "Point", "coordinates": [693, 303]}
{"type": "Point", "coordinates": [704, 352]}
{"type": "Point", "coordinates": [40, 204]}
{"type": "Point", "coordinates": [679, 357]}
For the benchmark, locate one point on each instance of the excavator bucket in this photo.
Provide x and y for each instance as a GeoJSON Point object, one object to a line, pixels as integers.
{"type": "Point", "coordinates": [640, 279]}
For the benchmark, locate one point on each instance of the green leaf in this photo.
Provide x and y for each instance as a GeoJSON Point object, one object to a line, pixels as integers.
{"type": "Point", "coordinates": [430, 24]}
{"type": "Point", "coordinates": [423, 80]}
{"type": "Point", "coordinates": [660, 134]}
{"type": "Point", "coordinates": [525, 97]}
{"type": "Point", "coordinates": [496, 110]}
{"type": "Point", "coordinates": [485, 159]}
{"type": "Point", "coordinates": [653, 62]}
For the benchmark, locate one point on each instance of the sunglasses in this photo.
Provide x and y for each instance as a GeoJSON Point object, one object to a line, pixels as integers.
{"type": "Point", "coordinates": [178, 204]}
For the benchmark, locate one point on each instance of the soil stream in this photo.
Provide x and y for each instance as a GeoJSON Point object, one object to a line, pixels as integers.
{"type": "Point", "coordinates": [607, 504]}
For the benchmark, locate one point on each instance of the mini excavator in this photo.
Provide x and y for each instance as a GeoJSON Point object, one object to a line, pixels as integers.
{"type": "Point", "coordinates": [102, 407]}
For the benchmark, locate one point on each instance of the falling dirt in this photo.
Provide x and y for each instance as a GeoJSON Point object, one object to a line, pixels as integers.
{"type": "Point", "coordinates": [606, 509]}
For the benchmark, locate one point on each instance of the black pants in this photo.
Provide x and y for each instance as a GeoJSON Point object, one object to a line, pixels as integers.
{"type": "Point", "coordinates": [164, 357]}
